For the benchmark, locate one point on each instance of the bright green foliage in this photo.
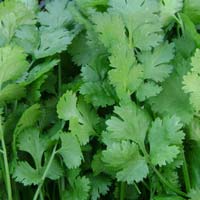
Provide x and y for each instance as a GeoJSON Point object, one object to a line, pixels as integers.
{"type": "Point", "coordinates": [87, 4]}
{"type": "Point", "coordinates": [177, 102]}
{"type": "Point", "coordinates": [30, 142]}
{"type": "Point", "coordinates": [80, 130]}
{"type": "Point", "coordinates": [95, 87]}
{"type": "Point", "coordinates": [27, 36]}
{"type": "Point", "coordinates": [168, 198]}
{"type": "Point", "coordinates": [35, 89]}
{"type": "Point", "coordinates": [28, 118]}
{"type": "Point", "coordinates": [26, 174]}
{"type": "Point", "coordinates": [12, 64]}
{"type": "Point", "coordinates": [69, 145]}
{"type": "Point", "coordinates": [169, 9]}
{"type": "Point", "coordinates": [110, 27]}
{"type": "Point", "coordinates": [82, 121]}
{"type": "Point", "coordinates": [53, 41]}
{"type": "Point", "coordinates": [143, 24]}
{"type": "Point", "coordinates": [39, 70]}
{"type": "Point", "coordinates": [13, 14]}
{"type": "Point", "coordinates": [57, 15]}
{"type": "Point", "coordinates": [12, 92]}
{"type": "Point", "coordinates": [66, 107]}
{"type": "Point", "coordinates": [83, 130]}
{"type": "Point", "coordinates": [194, 194]}
{"type": "Point", "coordinates": [192, 80]}
{"type": "Point", "coordinates": [99, 99]}
{"type": "Point", "coordinates": [131, 123]}
{"type": "Point", "coordinates": [100, 186]}
{"type": "Point", "coordinates": [191, 9]}
{"type": "Point", "coordinates": [79, 189]}
{"type": "Point", "coordinates": [126, 160]}
{"type": "Point", "coordinates": [54, 36]}
{"type": "Point", "coordinates": [165, 139]}
{"type": "Point", "coordinates": [147, 90]}
{"type": "Point", "coordinates": [193, 159]}
{"type": "Point", "coordinates": [156, 69]}
{"type": "Point", "coordinates": [127, 75]}
{"type": "Point", "coordinates": [30, 4]}
{"type": "Point", "coordinates": [155, 64]}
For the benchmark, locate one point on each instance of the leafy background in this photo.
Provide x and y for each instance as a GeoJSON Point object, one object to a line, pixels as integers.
{"type": "Point", "coordinates": [99, 99]}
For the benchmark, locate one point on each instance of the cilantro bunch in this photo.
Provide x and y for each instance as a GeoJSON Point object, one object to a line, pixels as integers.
{"type": "Point", "coordinates": [99, 99]}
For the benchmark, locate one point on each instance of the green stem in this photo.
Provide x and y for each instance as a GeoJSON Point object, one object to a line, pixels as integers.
{"type": "Point", "coordinates": [62, 180]}
{"type": "Point", "coordinates": [31, 64]}
{"type": "Point", "coordinates": [62, 184]}
{"type": "Point", "coordinates": [15, 105]}
{"type": "Point", "coordinates": [6, 166]}
{"type": "Point", "coordinates": [15, 191]}
{"type": "Point", "coordinates": [59, 79]}
{"type": "Point", "coordinates": [146, 185]}
{"type": "Point", "coordinates": [180, 22]}
{"type": "Point", "coordinates": [2, 167]}
{"type": "Point", "coordinates": [137, 188]}
{"type": "Point", "coordinates": [45, 173]}
{"type": "Point", "coordinates": [162, 179]}
{"type": "Point", "coordinates": [41, 196]}
{"type": "Point", "coordinates": [169, 185]}
{"type": "Point", "coordinates": [186, 174]}
{"type": "Point", "coordinates": [122, 190]}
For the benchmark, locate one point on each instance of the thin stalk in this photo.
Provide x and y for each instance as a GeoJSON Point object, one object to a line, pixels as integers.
{"type": "Point", "coordinates": [31, 64]}
{"type": "Point", "coordinates": [59, 188]}
{"type": "Point", "coordinates": [6, 166]}
{"type": "Point", "coordinates": [186, 174]}
{"type": "Point", "coordinates": [137, 188]}
{"type": "Point", "coordinates": [2, 167]}
{"type": "Point", "coordinates": [169, 185]}
{"type": "Point", "coordinates": [62, 180]}
{"type": "Point", "coordinates": [15, 191]}
{"type": "Point", "coordinates": [54, 191]}
{"type": "Point", "coordinates": [122, 190]}
{"type": "Point", "coordinates": [59, 79]}
{"type": "Point", "coordinates": [146, 186]}
{"type": "Point", "coordinates": [162, 179]}
{"type": "Point", "coordinates": [15, 105]}
{"type": "Point", "coordinates": [45, 173]}
{"type": "Point", "coordinates": [62, 184]}
{"type": "Point", "coordinates": [41, 196]}
{"type": "Point", "coordinates": [180, 22]}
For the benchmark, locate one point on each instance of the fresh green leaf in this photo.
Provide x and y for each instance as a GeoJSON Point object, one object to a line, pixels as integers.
{"type": "Point", "coordinates": [194, 194]}
{"type": "Point", "coordinates": [169, 9]}
{"type": "Point", "coordinates": [70, 150]}
{"type": "Point", "coordinates": [126, 160]}
{"type": "Point", "coordinates": [12, 92]}
{"type": "Point", "coordinates": [66, 107]}
{"type": "Point", "coordinates": [56, 15]}
{"type": "Point", "coordinates": [52, 42]}
{"type": "Point", "coordinates": [191, 81]}
{"type": "Point", "coordinates": [25, 174]}
{"type": "Point", "coordinates": [100, 186]}
{"type": "Point", "coordinates": [79, 189]}
{"type": "Point", "coordinates": [129, 123]}
{"type": "Point", "coordinates": [165, 137]}
{"type": "Point", "coordinates": [29, 118]}
{"type": "Point", "coordinates": [27, 36]}
{"type": "Point", "coordinates": [12, 64]}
